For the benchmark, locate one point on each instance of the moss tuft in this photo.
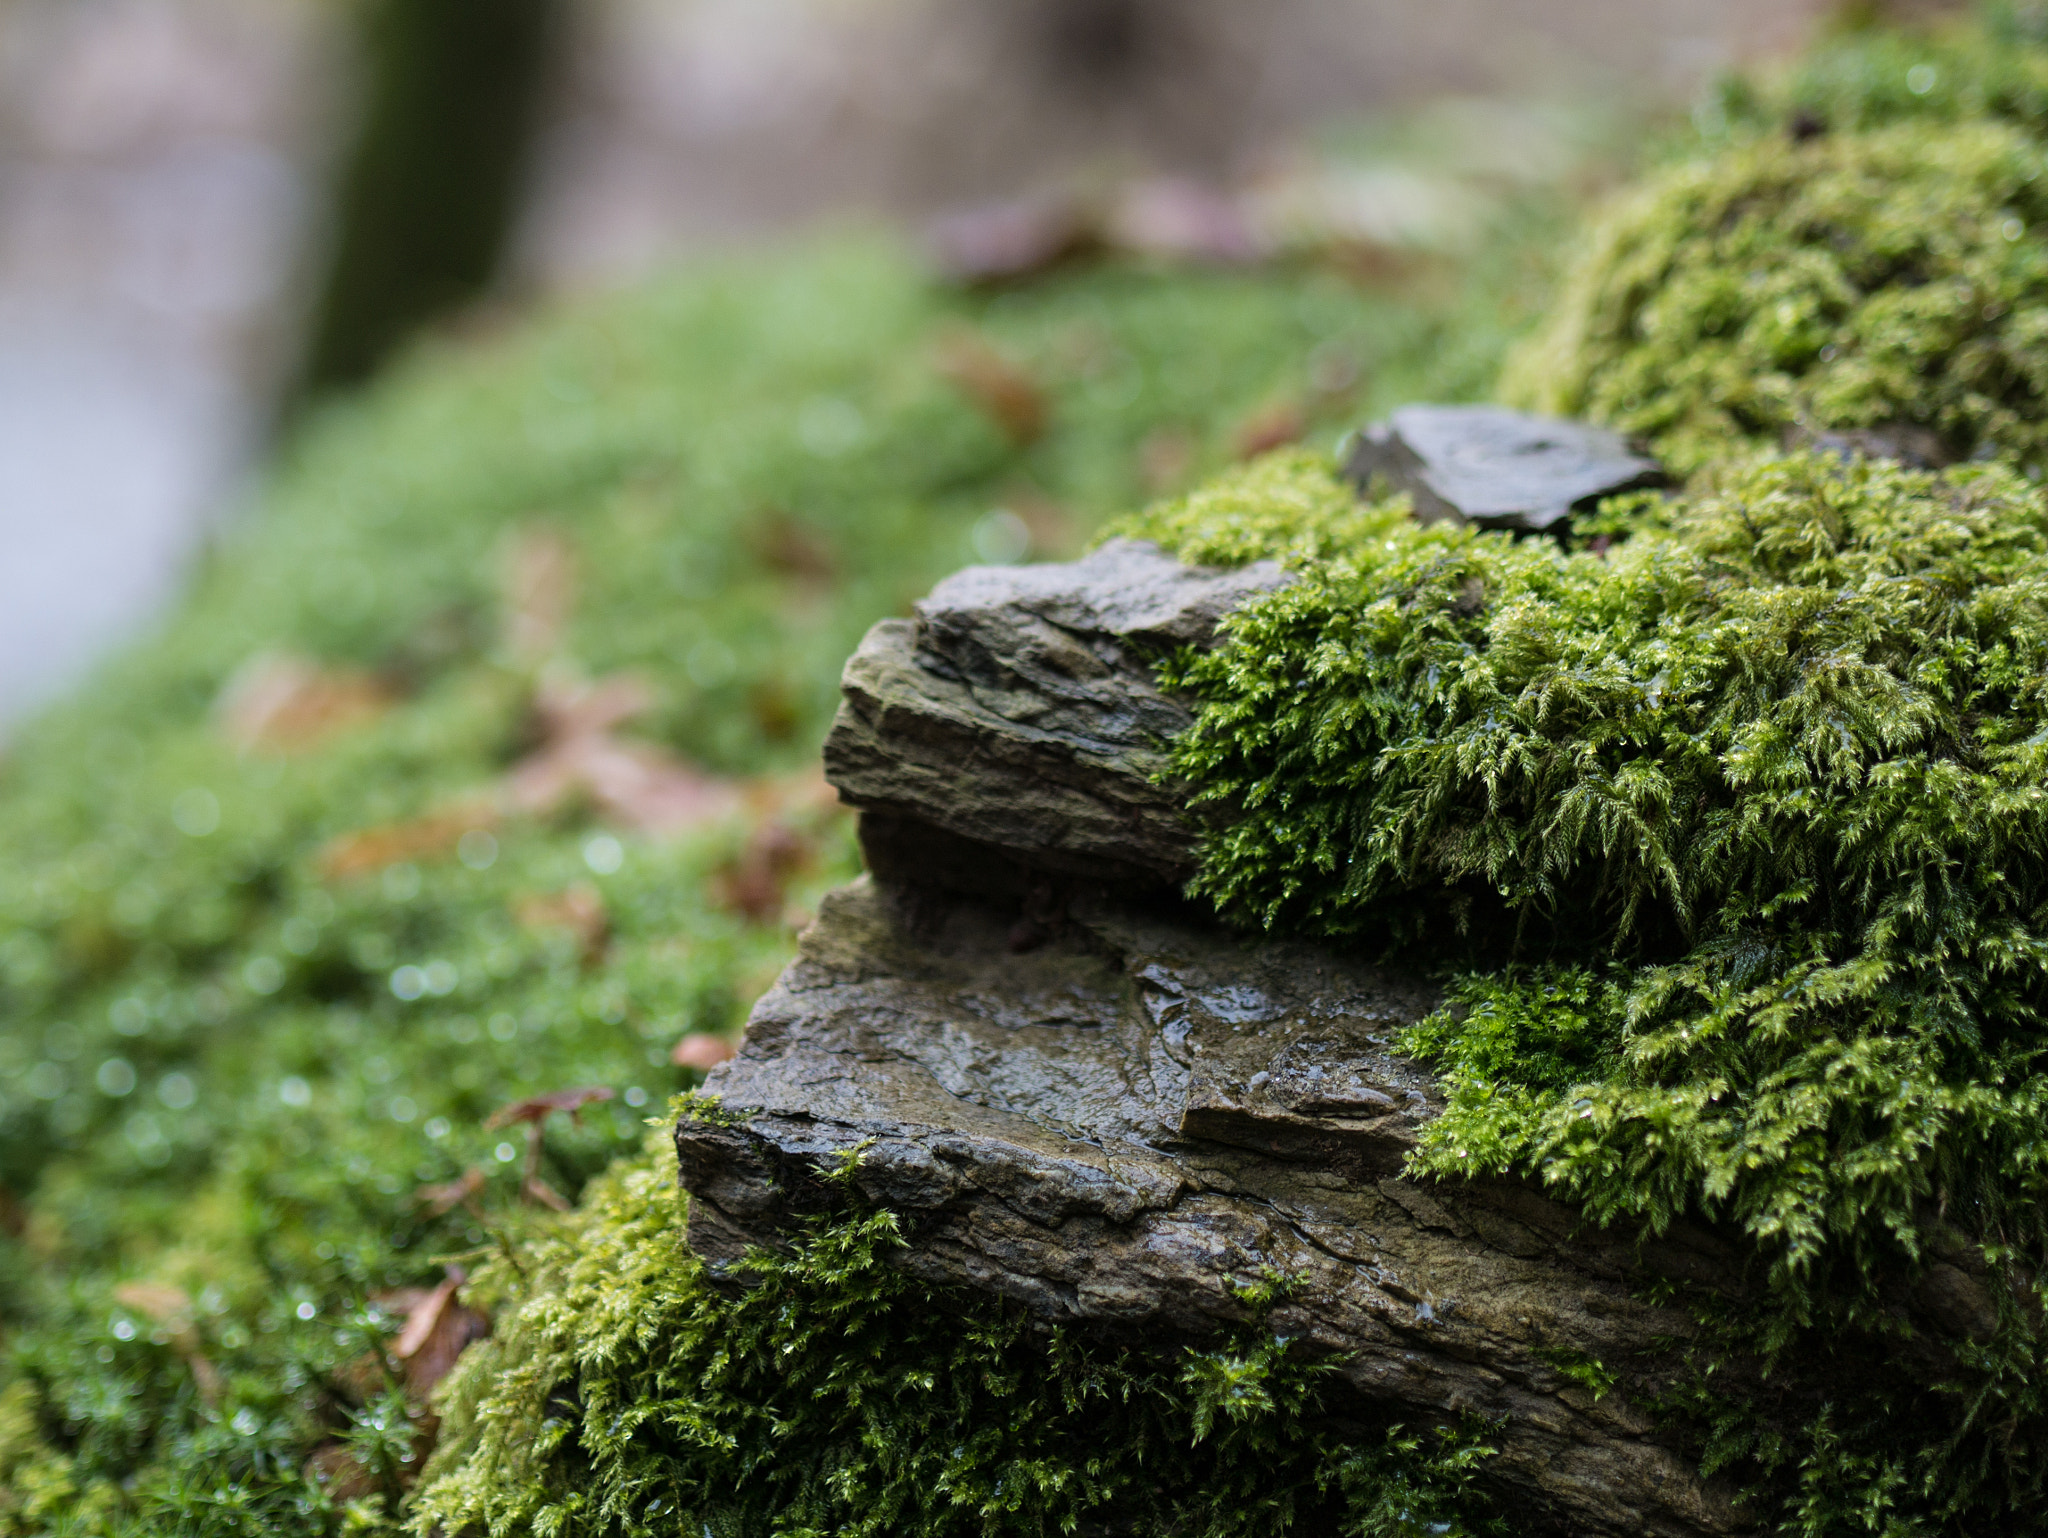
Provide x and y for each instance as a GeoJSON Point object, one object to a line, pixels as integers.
{"type": "Point", "coordinates": [1894, 279]}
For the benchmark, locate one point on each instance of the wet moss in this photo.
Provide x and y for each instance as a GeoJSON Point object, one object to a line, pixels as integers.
{"type": "Point", "coordinates": [1893, 280]}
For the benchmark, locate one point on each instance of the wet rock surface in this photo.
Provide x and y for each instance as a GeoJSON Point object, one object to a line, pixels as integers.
{"type": "Point", "coordinates": [1124, 1122]}
{"type": "Point", "coordinates": [1018, 710]}
{"type": "Point", "coordinates": [1494, 467]}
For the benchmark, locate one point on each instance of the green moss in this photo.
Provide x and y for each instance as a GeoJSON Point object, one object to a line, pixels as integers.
{"type": "Point", "coordinates": [1990, 63]}
{"type": "Point", "coordinates": [1740, 827]}
{"type": "Point", "coordinates": [634, 1393]}
{"type": "Point", "coordinates": [1896, 277]}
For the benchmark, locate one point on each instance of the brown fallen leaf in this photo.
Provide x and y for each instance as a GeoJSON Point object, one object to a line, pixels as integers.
{"type": "Point", "coordinates": [1054, 533]}
{"type": "Point", "coordinates": [755, 883]}
{"type": "Point", "coordinates": [790, 547]}
{"type": "Point", "coordinates": [702, 1051]}
{"type": "Point", "coordinates": [438, 1200]}
{"type": "Point", "coordinates": [537, 587]}
{"type": "Point", "coordinates": [773, 705]}
{"type": "Point", "coordinates": [639, 785]}
{"type": "Point", "coordinates": [438, 1328]}
{"type": "Point", "coordinates": [289, 704]}
{"type": "Point", "coordinates": [538, 1190]}
{"type": "Point", "coordinates": [335, 1466]}
{"type": "Point", "coordinates": [1003, 391]}
{"type": "Point", "coordinates": [538, 1108]}
{"type": "Point", "coordinates": [532, 1112]}
{"type": "Point", "coordinates": [1166, 458]}
{"type": "Point", "coordinates": [1172, 218]}
{"type": "Point", "coordinates": [1270, 427]}
{"type": "Point", "coordinates": [579, 910]}
{"type": "Point", "coordinates": [171, 1308]}
{"type": "Point", "coordinates": [434, 835]}
{"type": "Point", "coordinates": [1012, 239]}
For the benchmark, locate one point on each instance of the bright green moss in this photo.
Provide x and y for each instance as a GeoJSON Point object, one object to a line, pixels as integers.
{"type": "Point", "coordinates": [1742, 823]}
{"type": "Point", "coordinates": [1854, 281]}
{"type": "Point", "coordinates": [633, 1394]}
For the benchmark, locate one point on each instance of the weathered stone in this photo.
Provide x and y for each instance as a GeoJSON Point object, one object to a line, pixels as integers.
{"type": "Point", "coordinates": [1124, 1122]}
{"type": "Point", "coordinates": [1494, 467]}
{"type": "Point", "coordinates": [1018, 710]}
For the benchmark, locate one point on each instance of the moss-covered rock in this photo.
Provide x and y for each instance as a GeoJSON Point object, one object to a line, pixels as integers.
{"type": "Point", "coordinates": [629, 1393]}
{"type": "Point", "coordinates": [1894, 280]}
{"type": "Point", "coordinates": [1739, 827]}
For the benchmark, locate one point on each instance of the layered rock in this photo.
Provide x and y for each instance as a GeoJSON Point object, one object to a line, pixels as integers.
{"type": "Point", "coordinates": [1081, 1094]}
{"type": "Point", "coordinates": [1497, 468]}
{"type": "Point", "coordinates": [1017, 711]}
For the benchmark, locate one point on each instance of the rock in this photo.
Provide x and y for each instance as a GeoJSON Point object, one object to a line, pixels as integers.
{"type": "Point", "coordinates": [1124, 1121]}
{"type": "Point", "coordinates": [1494, 467]}
{"type": "Point", "coordinates": [1018, 710]}
{"type": "Point", "coordinates": [1914, 446]}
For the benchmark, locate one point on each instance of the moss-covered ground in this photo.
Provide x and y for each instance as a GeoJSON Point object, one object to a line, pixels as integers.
{"type": "Point", "coordinates": [1726, 822]}
{"type": "Point", "coordinates": [373, 839]}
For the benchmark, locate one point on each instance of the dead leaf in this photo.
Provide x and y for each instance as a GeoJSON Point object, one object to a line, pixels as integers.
{"type": "Point", "coordinates": [1054, 532]}
{"type": "Point", "coordinates": [435, 835]}
{"type": "Point", "coordinates": [538, 1108]}
{"type": "Point", "coordinates": [438, 1200]}
{"type": "Point", "coordinates": [533, 1111]}
{"type": "Point", "coordinates": [792, 548]}
{"type": "Point", "coordinates": [1268, 428]}
{"type": "Point", "coordinates": [639, 785]}
{"type": "Point", "coordinates": [537, 585]}
{"type": "Point", "coordinates": [155, 1300]}
{"type": "Point", "coordinates": [334, 1465]}
{"type": "Point", "coordinates": [702, 1051]}
{"type": "Point", "coordinates": [579, 910]}
{"type": "Point", "coordinates": [1003, 391]}
{"type": "Point", "coordinates": [171, 1308]}
{"type": "Point", "coordinates": [755, 883]}
{"type": "Point", "coordinates": [774, 708]}
{"type": "Point", "coordinates": [289, 704]}
{"type": "Point", "coordinates": [1175, 219]}
{"type": "Point", "coordinates": [1012, 239]}
{"type": "Point", "coordinates": [1165, 460]}
{"type": "Point", "coordinates": [438, 1328]}
{"type": "Point", "coordinates": [538, 1190]}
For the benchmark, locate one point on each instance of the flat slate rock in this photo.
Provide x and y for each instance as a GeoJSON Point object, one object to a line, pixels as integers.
{"type": "Point", "coordinates": [1122, 1123]}
{"type": "Point", "coordinates": [1497, 468]}
{"type": "Point", "coordinates": [1018, 709]}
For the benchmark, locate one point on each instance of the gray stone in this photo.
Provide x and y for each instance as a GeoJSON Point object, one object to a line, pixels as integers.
{"type": "Point", "coordinates": [1018, 710]}
{"type": "Point", "coordinates": [1494, 467]}
{"type": "Point", "coordinates": [1124, 1122]}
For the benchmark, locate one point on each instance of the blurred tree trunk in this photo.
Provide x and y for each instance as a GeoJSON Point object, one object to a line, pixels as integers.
{"type": "Point", "coordinates": [453, 92]}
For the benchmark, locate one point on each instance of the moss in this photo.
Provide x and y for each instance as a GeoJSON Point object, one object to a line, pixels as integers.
{"type": "Point", "coordinates": [1738, 834]}
{"type": "Point", "coordinates": [1853, 281]}
{"type": "Point", "coordinates": [1989, 63]}
{"type": "Point", "coordinates": [633, 1393]}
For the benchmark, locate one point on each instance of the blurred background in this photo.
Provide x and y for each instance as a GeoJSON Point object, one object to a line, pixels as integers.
{"type": "Point", "coordinates": [216, 214]}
